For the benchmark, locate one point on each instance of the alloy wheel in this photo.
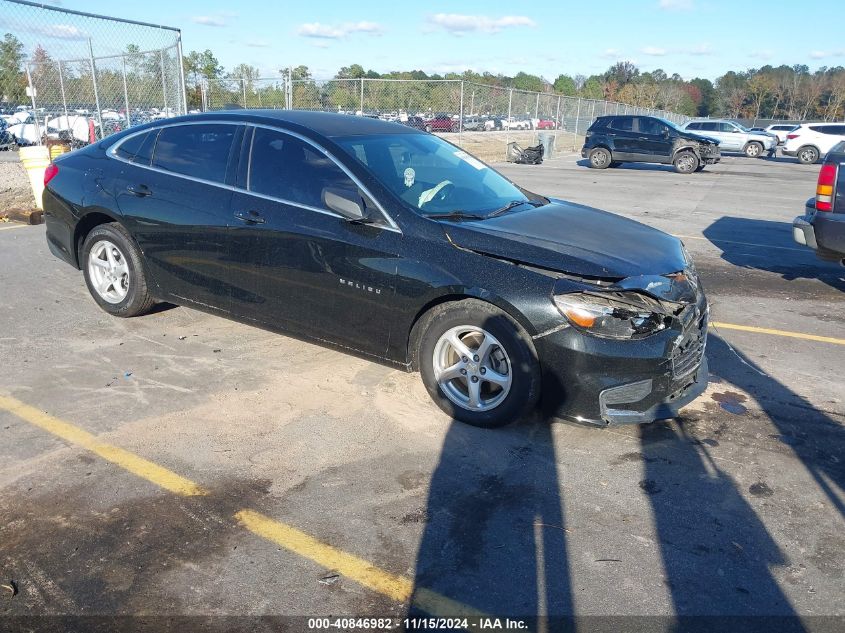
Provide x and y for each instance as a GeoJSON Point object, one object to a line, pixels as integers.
{"type": "Point", "coordinates": [472, 368]}
{"type": "Point", "coordinates": [599, 159]}
{"type": "Point", "coordinates": [108, 271]}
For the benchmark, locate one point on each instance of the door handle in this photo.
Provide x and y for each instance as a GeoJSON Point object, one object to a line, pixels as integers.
{"type": "Point", "coordinates": [250, 217]}
{"type": "Point", "coordinates": [642, 138]}
{"type": "Point", "coordinates": [141, 191]}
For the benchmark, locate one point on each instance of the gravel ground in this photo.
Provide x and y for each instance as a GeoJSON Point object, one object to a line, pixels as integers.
{"type": "Point", "coordinates": [15, 191]}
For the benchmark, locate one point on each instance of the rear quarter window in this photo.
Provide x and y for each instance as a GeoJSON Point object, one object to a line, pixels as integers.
{"type": "Point", "coordinates": [128, 148]}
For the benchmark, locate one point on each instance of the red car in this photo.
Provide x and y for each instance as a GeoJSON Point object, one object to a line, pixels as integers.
{"type": "Point", "coordinates": [441, 123]}
{"type": "Point", "coordinates": [546, 124]}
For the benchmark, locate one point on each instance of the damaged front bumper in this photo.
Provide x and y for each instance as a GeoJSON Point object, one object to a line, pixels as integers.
{"type": "Point", "coordinates": [603, 381]}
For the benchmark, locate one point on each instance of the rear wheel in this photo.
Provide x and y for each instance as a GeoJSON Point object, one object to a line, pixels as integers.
{"type": "Point", "coordinates": [808, 155]}
{"type": "Point", "coordinates": [599, 158]}
{"type": "Point", "coordinates": [478, 365]}
{"type": "Point", "coordinates": [114, 271]}
{"type": "Point", "coordinates": [753, 149]}
{"type": "Point", "coordinates": [686, 163]}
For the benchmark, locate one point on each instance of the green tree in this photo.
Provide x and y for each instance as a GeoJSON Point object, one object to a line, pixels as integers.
{"type": "Point", "coordinates": [565, 85]}
{"type": "Point", "coordinates": [524, 81]}
{"type": "Point", "coordinates": [12, 79]}
{"type": "Point", "coordinates": [353, 71]}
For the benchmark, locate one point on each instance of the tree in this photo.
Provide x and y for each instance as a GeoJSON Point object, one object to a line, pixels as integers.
{"type": "Point", "coordinates": [524, 81]}
{"type": "Point", "coordinates": [622, 73]}
{"type": "Point", "coordinates": [353, 71]}
{"type": "Point", "coordinates": [760, 87]}
{"type": "Point", "coordinates": [296, 72]}
{"type": "Point", "coordinates": [12, 80]}
{"type": "Point", "coordinates": [707, 102]}
{"type": "Point", "coordinates": [565, 85]}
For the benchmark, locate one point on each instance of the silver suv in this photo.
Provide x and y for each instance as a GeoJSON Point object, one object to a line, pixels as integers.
{"type": "Point", "coordinates": [734, 137]}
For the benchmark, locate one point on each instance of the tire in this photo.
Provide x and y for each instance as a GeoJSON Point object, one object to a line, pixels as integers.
{"type": "Point", "coordinates": [700, 168]}
{"type": "Point", "coordinates": [753, 149]}
{"type": "Point", "coordinates": [686, 163]}
{"type": "Point", "coordinates": [808, 155]}
{"type": "Point", "coordinates": [118, 284]}
{"type": "Point", "coordinates": [599, 158]}
{"type": "Point", "coordinates": [511, 358]}
{"type": "Point", "coordinates": [615, 163]}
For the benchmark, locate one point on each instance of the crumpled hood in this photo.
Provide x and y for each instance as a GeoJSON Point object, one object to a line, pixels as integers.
{"type": "Point", "coordinates": [574, 239]}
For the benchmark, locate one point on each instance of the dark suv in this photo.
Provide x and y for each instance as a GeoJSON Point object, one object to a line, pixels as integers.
{"type": "Point", "coordinates": [613, 140]}
{"type": "Point", "coordinates": [822, 227]}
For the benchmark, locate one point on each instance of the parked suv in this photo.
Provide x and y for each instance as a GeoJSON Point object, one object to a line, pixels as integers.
{"type": "Point", "coordinates": [811, 141]}
{"type": "Point", "coordinates": [613, 140]}
{"type": "Point", "coordinates": [822, 227]}
{"type": "Point", "coordinates": [441, 123]}
{"type": "Point", "coordinates": [733, 137]}
{"type": "Point", "coordinates": [781, 130]}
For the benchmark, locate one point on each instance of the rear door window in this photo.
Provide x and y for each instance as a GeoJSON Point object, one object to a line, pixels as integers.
{"type": "Point", "coordinates": [285, 167]}
{"type": "Point", "coordinates": [623, 124]}
{"type": "Point", "coordinates": [200, 151]}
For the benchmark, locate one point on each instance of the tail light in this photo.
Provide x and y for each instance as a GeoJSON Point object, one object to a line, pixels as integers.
{"type": "Point", "coordinates": [792, 136]}
{"type": "Point", "coordinates": [50, 173]}
{"type": "Point", "coordinates": [824, 188]}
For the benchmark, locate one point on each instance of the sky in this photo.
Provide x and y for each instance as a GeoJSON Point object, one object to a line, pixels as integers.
{"type": "Point", "coordinates": [694, 38]}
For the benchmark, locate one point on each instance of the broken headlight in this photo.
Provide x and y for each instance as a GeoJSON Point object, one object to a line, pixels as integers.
{"type": "Point", "coordinates": [618, 316]}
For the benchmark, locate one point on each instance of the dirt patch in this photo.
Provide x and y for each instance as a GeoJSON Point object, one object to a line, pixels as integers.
{"type": "Point", "coordinates": [15, 191]}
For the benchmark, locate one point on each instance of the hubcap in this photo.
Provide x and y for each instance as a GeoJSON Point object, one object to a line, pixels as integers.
{"type": "Point", "coordinates": [808, 155]}
{"type": "Point", "coordinates": [108, 271]}
{"type": "Point", "coordinates": [685, 163]}
{"type": "Point", "coordinates": [472, 368]}
{"type": "Point", "coordinates": [753, 150]}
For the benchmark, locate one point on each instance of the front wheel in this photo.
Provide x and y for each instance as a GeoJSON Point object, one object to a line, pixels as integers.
{"type": "Point", "coordinates": [686, 163]}
{"type": "Point", "coordinates": [808, 155]}
{"type": "Point", "coordinates": [599, 158]}
{"type": "Point", "coordinates": [753, 149]}
{"type": "Point", "coordinates": [478, 365]}
{"type": "Point", "coordinates": [114, 271]}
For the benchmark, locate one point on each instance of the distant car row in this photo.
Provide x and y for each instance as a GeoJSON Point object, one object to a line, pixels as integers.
{"type": "Point", "coordinates": [613, 140]}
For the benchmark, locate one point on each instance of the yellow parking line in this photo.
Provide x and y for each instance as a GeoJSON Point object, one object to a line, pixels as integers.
{"type": "Point", "coordinates": [136, 465]}
{"type": "Point", "coordinates": [361, 571]}
{"type": "Point", "coordinates": [13, 226]}
{"type": "Point", "coordinates": [763, 330]}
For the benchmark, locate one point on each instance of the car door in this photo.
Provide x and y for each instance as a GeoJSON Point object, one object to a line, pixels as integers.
{"type": "Point", "coordinates": [306, 268]}
{"type": "Point", "coordinates": [712, 130]}
{"type": "Point", "coordinates": [654, 140]}
{"type": "Point", "coordinates": [176, 202]}
{"type": "Point", "coordinates": [733, 139]}
{"type": "Point", "coordinates": [620, 133]}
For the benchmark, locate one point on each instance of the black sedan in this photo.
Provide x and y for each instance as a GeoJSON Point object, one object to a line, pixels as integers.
{"type": "Point", "coordinates": [393, 244]}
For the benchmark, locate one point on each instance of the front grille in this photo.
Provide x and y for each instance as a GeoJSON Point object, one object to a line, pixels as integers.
{"type": "Point", "coordinates": [689, 350]}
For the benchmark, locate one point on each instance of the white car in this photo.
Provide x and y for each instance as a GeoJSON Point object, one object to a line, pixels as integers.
{"type": "Point", "coordinates": [781, 130]}
{"type": "Point", "coordinates": [811, 141]}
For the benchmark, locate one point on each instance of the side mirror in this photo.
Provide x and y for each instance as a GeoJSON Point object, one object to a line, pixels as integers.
{"type": "Point", "coordinates": [346, 202]}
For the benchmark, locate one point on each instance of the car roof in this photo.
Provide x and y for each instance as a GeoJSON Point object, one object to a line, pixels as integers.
{"type": "Point", "coordinates": [328, 124]}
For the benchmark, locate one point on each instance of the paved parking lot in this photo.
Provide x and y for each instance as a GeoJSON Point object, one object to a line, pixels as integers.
{"type": "Point", "coordinates": [181, 464]}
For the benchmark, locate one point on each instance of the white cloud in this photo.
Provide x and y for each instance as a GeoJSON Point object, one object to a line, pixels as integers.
{"type": "Point", "coordinates": [338, 31]}
{"type": "Point", "coordinates": [762, 54]}
{"type": "Point", "coordinates": [654, 51]}
{"type": "Point", "coordinates": [258, 44]}
{"type": "Point", "coordinates": [459, 24]}
{"type": "Point", "coordinates": [819, 54]}
{"type": "Point", "coordinates": [701, 49]}
{"type": "Point", "coordinates": [675, 5]}
{"type": "Point", "coordinates": [62, 32]}
{"type": "Point", "coordinates": [209, 20]}
{"type": "Point", "coordinates": [611, 53]}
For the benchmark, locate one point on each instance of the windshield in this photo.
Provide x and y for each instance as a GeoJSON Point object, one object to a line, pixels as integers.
{"type": "Point", "coordinates": [432, 176]}
{"type": "Point", "coordinates": [671, 125]}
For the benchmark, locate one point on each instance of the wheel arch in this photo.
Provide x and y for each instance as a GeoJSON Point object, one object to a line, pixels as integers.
{"type": "Point", "coordinates": [456, 296]}
{"type": "Point", "coordinates": [86, 224]}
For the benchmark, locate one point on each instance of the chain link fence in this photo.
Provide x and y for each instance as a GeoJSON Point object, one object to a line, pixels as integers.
{"type": "Point", "coordinates": [77, 76]}
{"type": "Point", "coordinates": [481, 118]}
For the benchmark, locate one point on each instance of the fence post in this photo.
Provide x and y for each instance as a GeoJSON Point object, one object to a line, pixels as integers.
{"type": "Point", "coordinates": [62, 87]}
{"type": "Point", "coordinates": [182, 72]}
{"type": "Point", "coordinates": [32, 98]}
{"type": "Point", "coordinates": [163, 82]}
{"type": "Point", "coordinates": [557, 114]}
{"type": "Point", "coordinates": [243, 89]}
{"type": "Point", "coordinates": [537, 107]}
{"type": "Point", "coordinates": [125, 92]}
{"type": "Point", "coordinates": [289, 91]}
{"type": "Point", "coordinates": [362, 96]}
{"type": "Point", "coordinates": [577, 117]}
{"type": "Point", "coordinates": [461, 119]}
{"type": "Point", "coordinates": [508, 122]}
{"type": "Point", "coordinates": [94, 81]}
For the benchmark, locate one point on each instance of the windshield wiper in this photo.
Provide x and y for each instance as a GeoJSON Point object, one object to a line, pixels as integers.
{"type": "Point", "coordinates": [454, 215]}
{"type": "Point", "coordinates": [510, 205]}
